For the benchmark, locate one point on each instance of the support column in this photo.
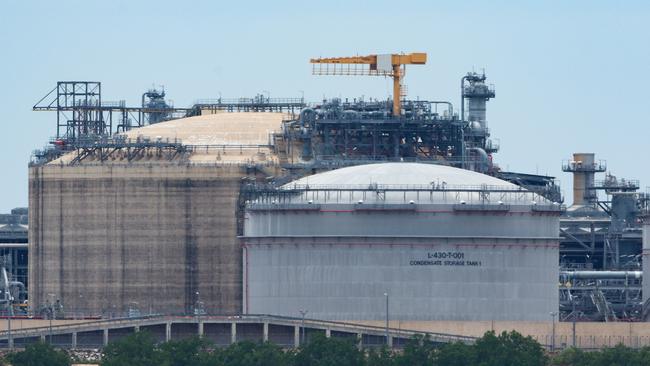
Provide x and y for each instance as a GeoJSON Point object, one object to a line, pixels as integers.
{"type": "Point", "coordinates": [390, 341]}
{"type": "Point", "coordinates": [360, 340]}
{"type": "Point", "coordinates": [168, 331]}
{"type": "Point", "coordinates": [136, 328]}
{"type": "Point", "coordinates": [266, 332]}
{"type": "Point", "coordinates": [42, 338]}
{"type": "Point", "coordinates": [233, 332]}
{"type": "Point", "coordinates": [105, 336]}
{"type": "Point", "coordinates": [201, 332]}
{"type": "Point", "coordinates": [328, 333]}
{"type": "Point", "coordinates": [296, 336]}
{"type": "Point", "coordinates": [74, 340]}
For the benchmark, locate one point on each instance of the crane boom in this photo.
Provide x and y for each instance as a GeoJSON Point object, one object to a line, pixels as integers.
{"type": "Point", "coordinates": [383, 65]}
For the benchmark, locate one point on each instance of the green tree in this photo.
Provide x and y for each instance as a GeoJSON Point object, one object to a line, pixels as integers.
{"type": "Point", "coordinates": [455, 354]}
{"type": "Point", "coordinates": [573, 357]}
{"type": "Point", "coordinates": [381, 357]}
{"type": "Point", "coordinates": [617, 356]}
{"type": "Point", "coordinates": [643, 356]}
{"type": "Point", "coordinates": [39, 354]}
{"type": "Point", "coordinates": [186, 352]}
{"type": "Point", "coordinates": [323, 351]}
{"type": "Point", "coordinates": [419, 351]}
{"type": "Point", "coordinates": [251, 354]}
{"type": "Point", "coordinates": [509, 349]}
{"type": "Point", "coordinates": [137, 349]}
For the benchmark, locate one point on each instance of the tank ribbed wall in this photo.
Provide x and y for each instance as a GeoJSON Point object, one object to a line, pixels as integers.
{"type": "Point", "coordinates": [102, 237]}
{"type": "Point", "coordinates": [435, 263]}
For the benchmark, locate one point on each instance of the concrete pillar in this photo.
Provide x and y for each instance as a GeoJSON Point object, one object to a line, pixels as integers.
{"type": "Point", "coordinates": [74, 340]}
{"type": "Point", "coordinates": [296, 336]}
{"type": "Point", "coordinates": [42, 338]}
{"type": "Point", "coordinates": [360, 340]}
{"type": "Point", "coordinates": [105, 341]}
{"type": "Point", "coordinates": [168, 331]}
{"type": "Point", "coordinates": [266, 332]}
{"type": "Point", "coordinates": [201, 329]}
{"type": "Point", "coordinates": [328, 332]}
{"type": "Point", "coordinates": [233, 332]}
{"type": "Point", "coordinates": [390, 341]}
{"type": "Point", "coordinates": [136, 328]}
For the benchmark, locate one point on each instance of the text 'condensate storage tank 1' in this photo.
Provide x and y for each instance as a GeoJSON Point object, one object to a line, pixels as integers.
{"type": "Point", "coordinates": [442, 243]}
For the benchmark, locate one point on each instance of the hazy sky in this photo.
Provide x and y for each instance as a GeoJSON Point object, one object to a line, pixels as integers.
{"type": "Point", "coordinates": [570, 76]}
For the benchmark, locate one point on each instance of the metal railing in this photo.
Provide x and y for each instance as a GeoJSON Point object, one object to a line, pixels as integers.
{"type": "Point", "coordinates": [578, 166]}
{"type": "Point", "coordinates": [486, 196]}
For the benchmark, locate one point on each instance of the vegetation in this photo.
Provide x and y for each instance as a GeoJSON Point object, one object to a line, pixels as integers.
{"type": "Point", "coordinates": [616, 356]}
{"type": "Point", "coordinates": [505, 349]}
{"type": "Point", "coordinates": [39, 354]}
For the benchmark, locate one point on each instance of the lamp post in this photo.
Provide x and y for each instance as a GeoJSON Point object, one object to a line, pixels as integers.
{"type": "Point", "coordinates": [50, 307]}
{"type": "Point", "coordinates": [80, 313]}
{"type": "Point", "coordinates": [386, 295]}
{"type": "Point", "coordinates": [573, 320]}
{"type": "Point", "coordinates": [10, 340]}
{"type": "Point", "coordinates": [199, 306]}
{"type": "Point", "coordinates": [302, 326]}
{"type": "Point", "coordinates": [553, 314]}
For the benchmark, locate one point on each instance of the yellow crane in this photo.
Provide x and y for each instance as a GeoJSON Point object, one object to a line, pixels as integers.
{"type": "Point", "coordinates": [380, 65]}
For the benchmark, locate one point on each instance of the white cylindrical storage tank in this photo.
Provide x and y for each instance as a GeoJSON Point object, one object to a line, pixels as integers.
{"type": "Point", "coordinates": [443, 243]}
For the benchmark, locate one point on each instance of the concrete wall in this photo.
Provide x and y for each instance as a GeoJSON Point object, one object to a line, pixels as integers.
{"type": "Point", "coordinates": [588, 334]}
{"type": "Point", "coordinates": [107, 235]}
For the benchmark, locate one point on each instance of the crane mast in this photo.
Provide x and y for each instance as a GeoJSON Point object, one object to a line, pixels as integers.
{"type": "Point", "coordinates": [389, 65]}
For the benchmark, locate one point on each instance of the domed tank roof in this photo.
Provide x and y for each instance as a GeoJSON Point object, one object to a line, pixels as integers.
{"type": "Point", "coordinates": [401, 174]}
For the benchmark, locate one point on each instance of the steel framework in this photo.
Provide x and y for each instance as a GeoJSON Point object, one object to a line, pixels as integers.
{"type": "Point", "coordinates": [82, 114]}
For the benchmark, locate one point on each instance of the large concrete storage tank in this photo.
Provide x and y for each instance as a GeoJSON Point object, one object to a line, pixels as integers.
{"type": "Point", "coordinates": [442, 243]}
{"type": "Point", "coordinates": [147, 221]}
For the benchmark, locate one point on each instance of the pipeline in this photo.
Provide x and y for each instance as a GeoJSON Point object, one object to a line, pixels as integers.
{"type": "Point", "coordinates": [351, 114]}
{"type": "Point", "coordinates": [450, 106]}
{"type": "Point", "coordinates": [484, 158]}
{"type": "Point", "coordinates": [462, 98]}
{"type": "Point", "coordinates": [303, 115]}
{"type": "Point", "coordinates": [601, 275]}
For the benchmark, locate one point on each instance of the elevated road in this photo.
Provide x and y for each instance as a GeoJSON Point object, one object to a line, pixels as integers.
{"type": "Point", "coordinates": [222, 330]}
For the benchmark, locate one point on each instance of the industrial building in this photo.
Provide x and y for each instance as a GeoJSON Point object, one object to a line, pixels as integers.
{"type": "Point", "coordinates": [13, 259]}
{"type": "Point", "coordinates": [159, 209]}
{"type": "Point", "coordinates": [601, 245]}
{"type": "Point", "coordinates": [443, 243]}
{"type": "Point", "coordinates": [147, 223]}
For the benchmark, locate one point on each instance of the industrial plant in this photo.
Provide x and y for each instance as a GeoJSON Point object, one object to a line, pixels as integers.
{"type": "Point", "coordinates": [281, 206]}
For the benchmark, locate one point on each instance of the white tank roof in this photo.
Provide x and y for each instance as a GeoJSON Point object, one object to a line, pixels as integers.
{"type": "Point", "coordinates": [399, 183]}
{"type": "Point", "coordinates": [401, 174]}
